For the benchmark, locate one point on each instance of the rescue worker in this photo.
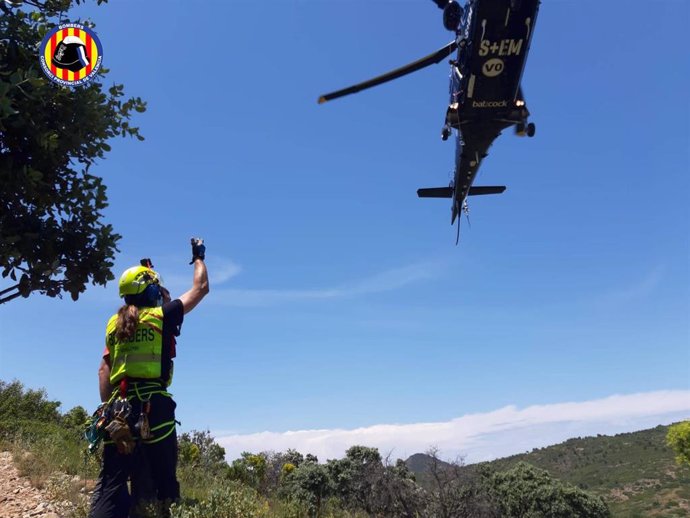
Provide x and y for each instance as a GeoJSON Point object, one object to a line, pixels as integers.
{"type": "Point", "coordinates": [134, 374]}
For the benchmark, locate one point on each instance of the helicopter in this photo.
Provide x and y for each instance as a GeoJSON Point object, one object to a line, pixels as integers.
{"type": "Point", "coordinates": [492, 40]}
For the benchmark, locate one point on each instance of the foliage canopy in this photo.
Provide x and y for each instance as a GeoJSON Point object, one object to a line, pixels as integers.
{"type": "Point", "coordinates": [52, 235]}
{"type": "Point", "coordinates": [678, 438]}
{"type": "Point", "coordinates": [18, 403]}
{"type": "Point", "coordinates": [532, 493]}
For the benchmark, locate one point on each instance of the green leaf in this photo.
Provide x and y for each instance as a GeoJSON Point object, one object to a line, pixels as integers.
{"type": "Point", "coordinates": [6, 107]}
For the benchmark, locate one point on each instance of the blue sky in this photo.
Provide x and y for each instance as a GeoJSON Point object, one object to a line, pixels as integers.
{"type": "Point", "coordinates": [339, 300]}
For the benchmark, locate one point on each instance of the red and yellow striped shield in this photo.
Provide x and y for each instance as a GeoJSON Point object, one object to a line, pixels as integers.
{"type": "Point", "coordinates": [71, 54]}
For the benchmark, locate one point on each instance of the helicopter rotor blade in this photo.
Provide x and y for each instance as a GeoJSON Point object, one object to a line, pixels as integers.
{"type": "Point", "coordinates": [431, 59]}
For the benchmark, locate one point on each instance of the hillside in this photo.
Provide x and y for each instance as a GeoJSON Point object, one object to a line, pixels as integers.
{"type": "Point", "coordinates": [420, 463]}
{"type": "Point", "coordinates": [44, 473]}
{"type": "Point", "coordinates": [634, 472]}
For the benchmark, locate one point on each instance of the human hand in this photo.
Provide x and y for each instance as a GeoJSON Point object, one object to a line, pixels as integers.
{"type": "Point", "coordinates": [198, 249]}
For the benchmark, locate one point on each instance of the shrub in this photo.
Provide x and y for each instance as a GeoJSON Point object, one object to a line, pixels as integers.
{"type": "Point", "coordinates": [234, 500]}
{"type": "Point", "coordinates": [17, 403]}
{"type": "Point", "coordinates": [678, 438]}
{"type": "Point", "coordinates": [528, 491]}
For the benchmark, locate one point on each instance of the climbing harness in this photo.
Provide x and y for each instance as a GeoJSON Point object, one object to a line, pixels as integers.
{"type": "Point", "coordinates": [142, 427]}
{"type": "Point", "coordinates": [118, 428]}
{"type": "Point", "coordinates": [95, 427]}
{"type": "Point", "coordinates": [109, 424]}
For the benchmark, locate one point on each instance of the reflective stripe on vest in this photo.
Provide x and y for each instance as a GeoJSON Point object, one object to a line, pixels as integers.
{"type": "Point", "coordinates": [140, 357]}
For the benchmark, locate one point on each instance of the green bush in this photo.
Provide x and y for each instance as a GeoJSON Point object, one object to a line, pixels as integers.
{"type": "Point", "coordinates": [532, 492]}
{"type": "Point", "coordinates": [308, 486]}
{"type": "Point", "coordinates": [18, 403]}
{"type": "Point", "coordinates": [12, 430]}
{"type": "Point", "coordinates": [678, 438]}
{"type": "Point", "coordinates": [233, 500]}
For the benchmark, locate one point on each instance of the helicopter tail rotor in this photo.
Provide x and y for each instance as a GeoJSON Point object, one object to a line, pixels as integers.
{"type": "Point", "coordinates": [454, 215]}
{"type": "Point", "coordinates": [456, 211]}
{"type": "Point", "coordinates": [457, 207]}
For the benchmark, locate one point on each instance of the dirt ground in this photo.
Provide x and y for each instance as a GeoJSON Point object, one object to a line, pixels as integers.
{"type": "Point", "coordinates": [18, 499]}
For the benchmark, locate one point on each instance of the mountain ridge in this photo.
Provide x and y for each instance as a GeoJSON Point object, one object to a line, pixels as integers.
{"type": "Point", "coordinates": [635, 472]}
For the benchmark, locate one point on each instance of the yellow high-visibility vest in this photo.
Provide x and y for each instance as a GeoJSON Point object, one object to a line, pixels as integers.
{"type": "Point", "coordinates": [140, 357]}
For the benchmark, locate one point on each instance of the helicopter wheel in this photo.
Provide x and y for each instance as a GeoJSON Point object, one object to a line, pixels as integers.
{"type": "Point", "coordinates": [445, 133]}
{"type": "Point", "coordinates": [531, 129]}
{"type": "Point", "coordinates": [520, 129]}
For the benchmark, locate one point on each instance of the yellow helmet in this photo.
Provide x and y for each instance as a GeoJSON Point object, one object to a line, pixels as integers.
{"type": "Point", "coordinates": [136, 279]}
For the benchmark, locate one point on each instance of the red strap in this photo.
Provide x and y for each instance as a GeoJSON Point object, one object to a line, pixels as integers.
{"type": "Point", "coordinates": [123, 388]}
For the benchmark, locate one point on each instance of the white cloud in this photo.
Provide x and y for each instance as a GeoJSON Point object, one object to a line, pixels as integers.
{"type": "Point", "coordinates": [483, 436]}
{"type": "Point", "coordinates": [640, 289]}
{"type": "Point", "coordinates": [220, 271]}
{"type": "Point", "coordinates": [224, 271]}
{"type": "Point", "coordinates": [381, 282]}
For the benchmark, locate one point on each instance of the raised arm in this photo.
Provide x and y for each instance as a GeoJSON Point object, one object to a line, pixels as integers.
{"type": "Point", "coordinates": [200, 286]}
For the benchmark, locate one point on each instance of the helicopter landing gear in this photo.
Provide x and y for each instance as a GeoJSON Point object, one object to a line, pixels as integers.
{"type": "Point", "coordinates": [531, 129]}
{"type": "Point", "coordinates": [445, 133]}
{"type": "Point", "coordinates": [522, 129]}
{"type": "Point", "coordinates": [451, 121]}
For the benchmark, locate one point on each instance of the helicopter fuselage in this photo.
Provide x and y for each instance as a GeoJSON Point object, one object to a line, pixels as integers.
{"type": "Point", "coordinates": [493, 41]}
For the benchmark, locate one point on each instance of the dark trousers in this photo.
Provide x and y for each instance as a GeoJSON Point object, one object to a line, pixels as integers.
{"type": "Point", "coordinates": [151, 469]}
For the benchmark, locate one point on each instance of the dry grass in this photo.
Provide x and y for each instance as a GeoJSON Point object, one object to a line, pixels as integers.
{"type": "Point", "coordinates": [59, 468]}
